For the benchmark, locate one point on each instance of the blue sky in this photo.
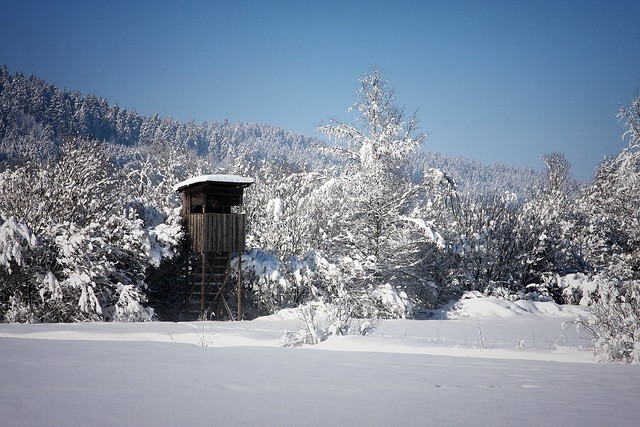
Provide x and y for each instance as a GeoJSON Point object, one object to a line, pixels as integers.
{"type": "Point", "coordinates": [494, 81]}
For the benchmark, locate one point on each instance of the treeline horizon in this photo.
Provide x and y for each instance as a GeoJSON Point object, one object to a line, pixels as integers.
{"type": "Point", "coordinates": [33, 110]}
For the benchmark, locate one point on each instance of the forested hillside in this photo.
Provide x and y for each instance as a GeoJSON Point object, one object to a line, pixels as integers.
{"type": "Point", "coordinates": [365, 224]}
{"type": "Point", "coordinates": [35, 117]}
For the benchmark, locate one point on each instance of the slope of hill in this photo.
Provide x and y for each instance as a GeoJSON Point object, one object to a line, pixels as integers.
{"type": "Point", "coordinates": [36, 116]}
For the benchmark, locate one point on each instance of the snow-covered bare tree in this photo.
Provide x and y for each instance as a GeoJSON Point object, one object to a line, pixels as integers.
{"type": "Point", "coordinates": [377, 191]}
{"type": "Point", "coordinates": [614, 320]}
{"type": "Point", "coordinates": [382, 225]}
{"type": "Point", "coordinates": [611, 207]}
{"type": "Point", "coordinates": [545, 223]}
{"type": "Point", "coordinates": [484, 244]}
{"type": "Point", "coordinates": [79, 251]}
{"type": "Point", "coordinates": [612, 246]}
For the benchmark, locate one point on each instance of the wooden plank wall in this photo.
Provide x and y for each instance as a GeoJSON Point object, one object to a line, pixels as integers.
{"type": "Point", "coordinates": [217, 232]}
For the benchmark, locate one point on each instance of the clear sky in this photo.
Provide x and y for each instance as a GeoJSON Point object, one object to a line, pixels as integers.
{"type": "Point", "coordinates": [494, 81]}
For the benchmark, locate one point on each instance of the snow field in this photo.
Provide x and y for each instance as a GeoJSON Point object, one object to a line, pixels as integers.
{"type": "Point", "coordinates": [505, 372]}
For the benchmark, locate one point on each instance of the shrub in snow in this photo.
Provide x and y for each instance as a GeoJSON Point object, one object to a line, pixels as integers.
{"type": "Point", "coordinates": [15, 238]}
{"type": "Point", "coordinates": [548, 290]}
{"type": "Point", "coordinates": [483, 240]}
{"type": "Point", "coordinates": [264, 282]}
{"type": "Point", "coordinates": [128, 307]}
{"type": "Point", "coordinates": [615, 321]}
{"type": "Point", "coordinates": [390, 303]}
{"type": "Point", "coordinates": [320, 320]}
{"type": "Point", "coordinates": [578, 288]}
{"type": "Point", "coordinates": [311, 331]}
{"type": "Point", "coordinates": [346, 285]}
{"type": "Point", "coordinates": [19, 284]}
{"type": "Point", "coordinates": [272, 285]}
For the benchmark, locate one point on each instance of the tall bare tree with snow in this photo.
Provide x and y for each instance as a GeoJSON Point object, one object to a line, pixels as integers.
{"type": "Point", "coordinates": [383, 221]}
{"type": "Point", "coordinates": [376, 186]}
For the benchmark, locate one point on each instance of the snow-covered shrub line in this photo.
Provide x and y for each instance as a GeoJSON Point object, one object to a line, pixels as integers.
{"type": "Point", "coordinates": [319, 320]}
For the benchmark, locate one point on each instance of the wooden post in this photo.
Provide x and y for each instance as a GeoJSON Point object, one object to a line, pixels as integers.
{"type": "Point", "coordinates": [203, 286]}
{"type": "Point", "coordinates": [239, 314]}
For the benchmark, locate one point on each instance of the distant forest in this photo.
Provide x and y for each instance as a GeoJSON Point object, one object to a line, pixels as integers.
{"type": "Point", "coordinates": [35, 117]}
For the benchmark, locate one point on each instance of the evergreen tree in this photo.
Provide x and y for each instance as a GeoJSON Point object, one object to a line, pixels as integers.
{"type": "Point", "coordinates": [377, 189]}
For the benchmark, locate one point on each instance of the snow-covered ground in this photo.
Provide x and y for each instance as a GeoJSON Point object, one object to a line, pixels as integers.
{"type": "Point", "coordinates": [484, 362]}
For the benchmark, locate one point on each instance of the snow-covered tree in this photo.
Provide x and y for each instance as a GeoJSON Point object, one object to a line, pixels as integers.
{"type": "Point", "coordinates": [87, 250]}
{"type": "Point", "coordinates": [545, 225]}
{"type": "Point", "coordinates": [377, 209]}
{"type": "Point", "coordinates": [338, 234]}
{"type": "Point", "coordinates": [385, 222]}
{"type": "Point", "coordinates": [615, 320]}
{"type": "Point", "coordinates": [611, 207]}
{"type": "Point", "coordinates": [484, 243]}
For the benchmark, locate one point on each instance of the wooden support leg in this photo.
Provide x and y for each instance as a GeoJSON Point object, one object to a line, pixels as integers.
{"type": "Point", "coordinates": [239, 314]}
{"type": "Point", "coordinates": [203, 287]}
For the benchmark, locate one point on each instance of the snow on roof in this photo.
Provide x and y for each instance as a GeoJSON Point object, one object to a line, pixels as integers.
{"type": "Point", "coordinates": [217, 178]}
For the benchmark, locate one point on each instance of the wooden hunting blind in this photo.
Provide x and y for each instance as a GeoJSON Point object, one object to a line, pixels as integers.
{"type": "Point", "coordinates": [215, 225]}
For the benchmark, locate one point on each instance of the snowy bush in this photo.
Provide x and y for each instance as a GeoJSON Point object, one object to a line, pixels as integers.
{"type": "Point", "coordinates": [129, 307]}
{"type": "Point", "coordinates": [15, 238]}
{"type": "Point", "coordinates": [19, 247]}
{"type": "Point", "coordinates": [615, 321]}
{"type": "Point", "coordinates": [311, 330]}
{"type": "Point", "coordinates": [390, 303]}
{"type": "Point", "coordinates": [320, 320]}
{"type": "Point", "coordinates": [343, 287]}
{"type": "Point", "coordinates": [264, 280]}
{"type": "Point", "coordinates": [78, 248]}
{"type": "Point", "coordinates": [349, 285]}
{"type": "Point", "coordinates": [579, 288]}
{"type": "Point", "coordinates": [484, 242]}
{"type": "Point", "coordinates": [273, 285]}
